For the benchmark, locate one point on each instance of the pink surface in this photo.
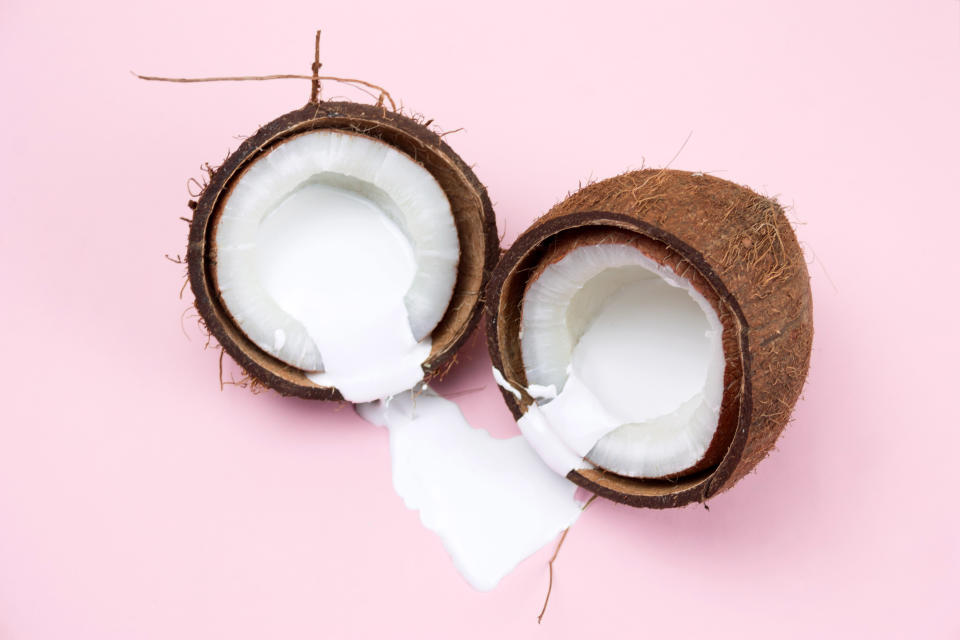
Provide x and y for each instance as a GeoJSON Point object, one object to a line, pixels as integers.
{"type": "Point", "coordinates": [138, 501]}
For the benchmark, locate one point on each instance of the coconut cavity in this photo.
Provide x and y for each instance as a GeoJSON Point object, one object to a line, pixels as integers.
{"type": "Point", "coordinates": [636, 352]}
{"type": "Point", "coordinates": [337, 254]}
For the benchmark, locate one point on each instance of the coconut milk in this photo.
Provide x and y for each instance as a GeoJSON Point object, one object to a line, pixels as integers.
{"type": "Point", "coordinates": [336, 263]}
{"type": "Point", "coordinates": [492, 502]}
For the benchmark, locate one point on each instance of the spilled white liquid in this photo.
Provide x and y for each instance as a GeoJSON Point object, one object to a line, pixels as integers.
{"type": "Point", "coordinates": [492, 502]}
{"type": "Point", "coordinates": [331, 259]}
{"type": "Point", "coordinates": [639, 354]}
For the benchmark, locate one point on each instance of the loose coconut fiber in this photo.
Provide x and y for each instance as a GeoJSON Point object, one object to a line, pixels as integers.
{"type": "Point", "coordinates": [739, 250]}
{"type": "Point", "coordinates": [472, 212]}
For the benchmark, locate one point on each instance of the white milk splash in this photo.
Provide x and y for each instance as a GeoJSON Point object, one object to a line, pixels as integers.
{"type": "Point", "coordinates": [492, 502]}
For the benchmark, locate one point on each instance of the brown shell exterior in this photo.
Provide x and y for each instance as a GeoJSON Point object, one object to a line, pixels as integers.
{"type": "Point", "coordinates": [472, 211]}
{"type": "Point", "coordinates": [742, 246]}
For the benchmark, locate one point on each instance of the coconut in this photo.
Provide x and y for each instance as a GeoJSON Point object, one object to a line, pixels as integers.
{"type": "Point", "coordinates": [707, 286]}
{"type": "Point", "coordinates": [390, 201]}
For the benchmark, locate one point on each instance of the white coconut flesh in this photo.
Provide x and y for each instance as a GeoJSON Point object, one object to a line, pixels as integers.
{"type": "Point", "coordinates": [637, 355]}
{"type": "Point", "coordinates": [337, 254]}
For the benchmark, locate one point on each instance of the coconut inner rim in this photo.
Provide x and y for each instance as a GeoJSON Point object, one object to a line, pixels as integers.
{"type": "Point", "coordinates": [407, 212]}
{"type": "Point", "coordinates": [637, 355]}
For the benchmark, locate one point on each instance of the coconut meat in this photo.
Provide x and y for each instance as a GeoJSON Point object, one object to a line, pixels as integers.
{"type": "Point", "coordinates": [637, 355]}
{"type": "Point", "coordinates": [337, 254]}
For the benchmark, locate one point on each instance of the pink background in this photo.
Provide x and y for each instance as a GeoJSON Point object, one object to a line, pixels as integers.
{"type": "Point", "coordinates": [138, 501]}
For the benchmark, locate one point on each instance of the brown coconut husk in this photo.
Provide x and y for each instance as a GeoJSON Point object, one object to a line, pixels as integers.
{"type": "Point", "coordinates": [472, 211]}
{"type": "Point", "coordinates": [738, 249]}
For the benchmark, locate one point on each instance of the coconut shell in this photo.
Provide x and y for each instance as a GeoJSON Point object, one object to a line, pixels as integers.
{"type": "Point", "coordinates": [472, 212]}
{"type": "Point", "coordinates": [738, 249]}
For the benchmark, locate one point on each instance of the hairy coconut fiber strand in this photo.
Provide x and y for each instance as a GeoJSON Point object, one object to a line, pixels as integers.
{"type": "Point", "coordinates": [739, 250]}
{"type": "Point", "coordinates": [469, 204]}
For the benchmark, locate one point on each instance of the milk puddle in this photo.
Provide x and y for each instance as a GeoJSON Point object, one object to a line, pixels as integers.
{"type": "Point", "coordinates": [492, 502]}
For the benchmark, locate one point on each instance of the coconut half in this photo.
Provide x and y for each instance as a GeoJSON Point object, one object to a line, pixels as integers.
{"type": "Point", "coordinates": [340, 252]}
{"type": "Point", "coordinates": [670, 312]}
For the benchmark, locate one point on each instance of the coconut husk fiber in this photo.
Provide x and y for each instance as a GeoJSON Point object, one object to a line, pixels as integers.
{"type": "Point", "coordinates": [472, 212]}
{"type": "Point", "coordinates": [738, 249]}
